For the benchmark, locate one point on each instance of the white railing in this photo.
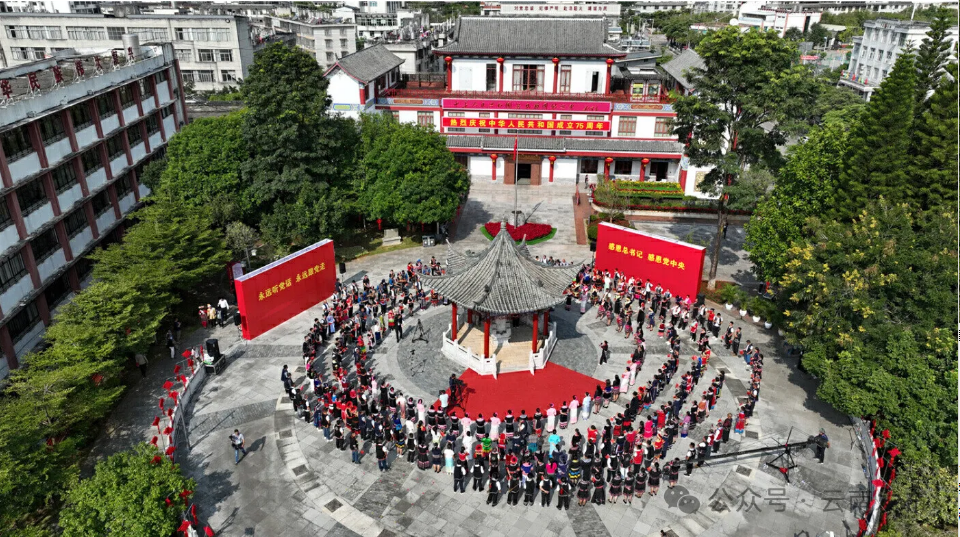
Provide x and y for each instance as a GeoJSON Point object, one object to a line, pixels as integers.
{"type": "Point", "coordinates": [465, 357]}
{"type": "Point", "coordinates": [539, 359]}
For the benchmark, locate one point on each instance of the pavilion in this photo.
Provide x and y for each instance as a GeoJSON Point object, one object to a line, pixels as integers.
{"type": "Point", "coordinates": [504, 287]}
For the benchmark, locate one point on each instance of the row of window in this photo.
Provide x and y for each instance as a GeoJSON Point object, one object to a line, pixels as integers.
{"type": "Point", "coordinates": [531, 78]}
{"type": "Point", "coordinates": [201, 76]}
{"type": "Point", "coordinates": [114, 33]}
{"type": "Point", "coordinates": [16, 142]}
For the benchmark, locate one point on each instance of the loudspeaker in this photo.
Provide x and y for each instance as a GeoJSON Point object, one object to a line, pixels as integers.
{"type": "Point", "coordinates": [343, 268]}
{"type": "Point", "coordinates": [213, 348]}
{"type": "Point", "coordinates": [237, 319]}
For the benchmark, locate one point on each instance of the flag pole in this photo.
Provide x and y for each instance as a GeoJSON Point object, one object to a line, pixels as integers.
{"type": "Point", "coordinates": [516, 167]}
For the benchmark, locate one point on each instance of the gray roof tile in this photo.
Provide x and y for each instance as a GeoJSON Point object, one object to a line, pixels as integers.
{"type": "Point", "coordinates": [367, 64]}
{"type": "Point", "coordinates": [680, 67]}
{"type": "Point", "coordinates": [526, 36]}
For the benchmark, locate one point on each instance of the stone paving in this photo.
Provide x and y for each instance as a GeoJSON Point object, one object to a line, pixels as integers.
{"type": "Point", "coordinates": [292, 482]}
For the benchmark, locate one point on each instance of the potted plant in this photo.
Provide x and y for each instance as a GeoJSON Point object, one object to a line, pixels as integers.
{"type": "Point", "coordinates": [741, 302]}
{"type": "Point", "coordinates": [728, 294]}
{"type": "Point", "coordinates": [753, 308]}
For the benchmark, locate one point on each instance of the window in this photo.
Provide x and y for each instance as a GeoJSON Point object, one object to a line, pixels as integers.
{"type": "Point", "coordinates": [328, 32]}
{"type": "Point", "coordinates": [21, 323]}
{"type": "Point", "coordinates": [51, 129]}
{"type": "Point", "coordinates": [5, 219]}
{"type": "Point", "coordinates": [188, 77]}
{"type": "Point", "coordinates": [16, 143]}
{"type": "Point", "coordinates": [595, 133]}
{"type": "Point", "coordinates": [28, 53]}
{"type": "Point", "coordinates": [203, 76]}
{"type": "Point", "coordinates": [902, 40]}
{"type": "Point", "coordinates": [344, 53]}
{"type": "Point", "coordinates": [343, 43]}
{"type": "Point", "coordinates": [343, 31]}
{"type": "Point", "coordinates": [134, 135]}
{"type": "Point", "coordinates": [328, 43]}
{"type": "Point", "coordinates": [663, 128]}
{"type": "Point", "coordinates": [228, 75]}
{"type": "Point", "coordinates": [146, 89]}
{"type": "Point", "coordinates": [456, 114]}
{"type": "Point", "coordinates": [123, 187]}
{"type": "Point", "coordinates": [566, 117]}
{"type": "Point", "coordinates": [889, 55]}
{"type": "Point", "coordinates": [166, 112]}
{"type": "Point", "coordinates": [11, 270]}
{"type": "Point", "coordinates": [45, 245]}
{"type": "Point", "coordinates": [160, 76]}
{"type": "Point", "coordinates": [17, 32]}
{"type": "Point", "coordinates": [105, 105]}
{"type": "Point", "coordinates": [86, 33]}
{"type": "Point", "coordinates": [91, 162]}
{"type": "Point", "coordinates": [115, 147]}
{"type": "Point", "coordinates": [153, 126]}
{"type": "Point", "coordinates": [149, 34]}
{"type": "Point", "coordinates": [202, 34]}
{"type": "Point", "coordinates": [64, 177]}
{"type": "Point", "coordinates": [527, 78]}
{"type": "Point", "coordinates": [126, 96]}
{"type": "Point", "coordinates": [101, 203]}
{"type": "Point", "coordinates": [425, 119]}
{"type": "Point", "coordinates": [628, 126]}
{"type": "Point", "coordinates": [44, 32]}
{"type": "Point", "coordinates": [491, 77]}
{"type": "Point", "coordinates": [565, 76]}
{"type": "Point", "coordinates": [205, 55]}
{"type": "Point", "coordinates": [80, 114]}
{"type": "Point", "coordinates": [183, 54]}
{"type": "Point", "coordinates": [31, 197]}
{"type": "Point", "coordinates": [76, 222]}
{"type": "Point", "coordinates": [57, 290]}
{"type": "Point", "coordinates": [595, 82]}
{"type": "Point", "coordinates": [225, 55]}
{"type": "Point", "coordinates": [622, 167]}
{"type": "Point", "coordinates": [330, 57]}
{"type": "Point", "coordinates": [84, 267]}
{"type": "Point", "coordinates": [115, 33]}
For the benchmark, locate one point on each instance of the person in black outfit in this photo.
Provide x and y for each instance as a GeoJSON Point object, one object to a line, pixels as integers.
{"type": "Point", "coordinates": [513, 490]}
{"type": "Point", "coordinates": [691, 458]}
{"type": "Point", "coordinates": [493, 493]}
{"type": "Point", "coordinates": [529, 491]}
{"type": "Point", "coordinates": [563, 494]}
{"type": "Point", "coordinates": [460, 473]}
{"type": "Point", "coordinates": [545, 484]}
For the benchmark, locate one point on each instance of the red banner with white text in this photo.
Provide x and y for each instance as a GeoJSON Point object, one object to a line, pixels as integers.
{"type": "Point", "coordinates": [673, 264]}
{"type": "Point", "coordinates": [272, 294]}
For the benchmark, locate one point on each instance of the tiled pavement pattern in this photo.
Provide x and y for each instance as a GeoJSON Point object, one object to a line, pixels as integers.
{"type": "Point", "coordinates": [294, 483]}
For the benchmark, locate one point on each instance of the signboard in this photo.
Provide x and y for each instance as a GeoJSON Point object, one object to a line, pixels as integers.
{"type": "Point", "coordinates": [272, 294]}
{"type": "Point", "coordinates": [675, 265]}
{"type": "Point", "coordinates": [611, 9]}
{"type": "Point", "coordinates": [508, 105]}
{"type": "Point", "coordinates": [549, 124]}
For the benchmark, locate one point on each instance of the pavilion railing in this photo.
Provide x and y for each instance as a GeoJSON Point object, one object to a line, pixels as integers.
{"type": "Point", "coordinates": [465, 356]}
{"type": "Point", "coordinates": [539, 359]}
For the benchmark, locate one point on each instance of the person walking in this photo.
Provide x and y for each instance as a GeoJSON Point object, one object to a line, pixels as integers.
{"type": "Point", "coordinates": [239, 445]}
{"type": "Point", "coordinates": [141, 363]}
{"type": "Point", "coordinates": [171, 344]}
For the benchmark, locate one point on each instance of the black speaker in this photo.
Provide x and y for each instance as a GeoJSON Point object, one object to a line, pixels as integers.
{"type": "Point", "coordinates": [343, 268]}
{"type": "Point", "coordinates": [237, 319]}
{"type": "Point", "coordinates": [213, 348]}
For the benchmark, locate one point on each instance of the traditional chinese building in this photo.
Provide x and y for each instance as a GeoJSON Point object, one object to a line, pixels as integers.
{"type": "Point", "coordinates": [501, 307]}
{"type": "Point", "coordinates": [76, 132]}
{"type": "Point", "coordinates": [571, 101]}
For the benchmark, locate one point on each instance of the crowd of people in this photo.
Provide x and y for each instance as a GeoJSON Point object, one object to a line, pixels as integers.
{"type": "Point", "coordinates": [623, 457]}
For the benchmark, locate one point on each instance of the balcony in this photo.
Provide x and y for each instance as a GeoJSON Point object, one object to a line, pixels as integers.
{"type": "Point", "coordinates": [80, 241]}
{"type": "Point", "coordinates": [441, 93]}
{"type": "Point", "coordinates": [13, 294]}
{"type": "Point", "coordinates": [49, 266]}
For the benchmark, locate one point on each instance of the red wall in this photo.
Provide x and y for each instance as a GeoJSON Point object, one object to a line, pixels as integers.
{"type": "Point", "coordinates": [675, 265]}
{"type": "Point", "coordinates": [270, 295]}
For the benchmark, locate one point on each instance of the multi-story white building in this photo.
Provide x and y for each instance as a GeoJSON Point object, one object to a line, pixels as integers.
{"type": "Point", "coordinates": [565, 102]}
{"type": "Point", "coordinates": [326, 39]}
{"type": "Point", "coordinates": [875, 52]}
{"type": "Point", "coordinates": [214, 51]}
{"type": "Point", "coordinates": [831, 6]}
{"type": "Point", "coordinates": [763, 17]}
{"type": "Point", "coordinates": [76, 133]}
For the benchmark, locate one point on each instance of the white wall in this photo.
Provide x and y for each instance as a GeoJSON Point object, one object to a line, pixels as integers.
{"type": "Point", "coordinates": [169, 126]}
{"type": "Point", "coordinates": [118, 164]}
{"type": "Point", "coordinates": [51, 264]}
{"type": "Point", "coordinates": [138, 152]}
{"type": "Point", "coordinates": [96, 180]}
{"type": "Point", "coordinates": [471, 74]}
{"type": "Point", "coordinates": [13, 294]}
{"type": "Point", "coordinates": [9, 236]}
{"type": "Point", "coordinates": [87, 136]}
{"type": "Point", "coordinates": [80, 241]}
{"type": "Point", "coordinates": [105, 220]}
{"type": "Point", "coordinates": [57, 150]}
{"type": "Point", "coordinates": [68, 197]}
{"type": "Point", "coordinates": [40, 216]}
{"type": "Point", "coordinates": [155, 141]}
{"type": "Point", "coordinates": [565, 170]}
{"type": "Point", "coordinates": [24, 166]}
{"type": "Point", "coordinates": [343, 89]}
{"type": "Point", "coordinates": [126, 203]}
{"type": "Point", "coordinates": [130, 113]}
{"type": "Point", "coordinates": [109, 124]}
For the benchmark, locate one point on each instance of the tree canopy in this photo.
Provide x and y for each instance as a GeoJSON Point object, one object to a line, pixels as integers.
{"type": "Point", "coordinates": [127, 495]}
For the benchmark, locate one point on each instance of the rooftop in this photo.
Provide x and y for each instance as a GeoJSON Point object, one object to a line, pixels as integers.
{"type": "Point", "coordinates": [531, 36]}
{"type": "Point", "coordinates": [680, 67]}
{"type": "Point", "coordinates": [502, 280]}
{"type": "Point", "coordinates": [367, 64]}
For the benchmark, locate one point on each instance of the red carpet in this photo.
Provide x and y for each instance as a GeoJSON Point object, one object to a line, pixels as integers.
{"type": "Point", "coordinates": [521, 391]}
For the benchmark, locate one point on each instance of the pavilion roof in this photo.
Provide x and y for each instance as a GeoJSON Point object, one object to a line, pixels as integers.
{"type": "Point", "coordinates": [503, 279]}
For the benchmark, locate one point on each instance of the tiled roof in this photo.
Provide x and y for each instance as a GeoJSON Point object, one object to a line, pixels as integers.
{"type": "Point", "coordinates": [526, 36]}
{"type": "Point", "coordinates": [502, 280]}
{"type": "Point", "coordinates": [680, 67]}
{"type": "Point", "coordinates": [563, 144]}
{"type": "Point", "coordinates": [367, 64]}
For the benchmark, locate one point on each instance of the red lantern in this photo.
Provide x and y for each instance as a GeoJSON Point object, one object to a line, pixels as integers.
{"type": "Point", "coordinates": [379, 224]}
{"type": "Point", "coordinates": [193, 513]}
{"type": "Point", "coordinates": [493, 156]}
{"type": "Point", "coordinates": [500, 61]}
{"type": "Point", "coordinates": [184, 526]}
{"type": "Point", "coordinates": [170, 450]}
{"type": "Point", "coordinates": [645, 161]}
{"type": "Point", "coordinates": [175, 396]}
{"type": "Point", "coordinates": [552, 158]}
{"type": "Point", "coordinates": [168, 502]}
{"type": "Point", "coordinates": [156, 421]}
{"type": "Point", "coordinates": [556, 61]}
{"type": "Point", "coordinates": [608, 160]}
{"type": "Point", "coordinates": [609, 61]}
{"type": "Point", "coordinates": [448, 59]}
{"type": "Point", "coordinates": [207, 531]}
{"type": "Point", "coordinates": [170, 413]}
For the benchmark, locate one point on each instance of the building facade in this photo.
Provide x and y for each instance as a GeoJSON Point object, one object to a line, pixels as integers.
{"type": "Point", "coordinates": [213, 51]}
{"type": "Point", "coordinates": [777, 19]}
{"type": "Point", "coordinates": [552, 87]}
{"type": "Point", "coordinates": [358, 80]}
{"type": "Point", "coordinates": [326, 39]}
{"type": "Point", "coordinates": [76, 133]}
{"type": "Point", "coordinates": [875, 52]}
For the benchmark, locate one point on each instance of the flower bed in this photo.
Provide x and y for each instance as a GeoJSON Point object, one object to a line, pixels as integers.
{"type": "Point", "coordinates": [648, 187]}
{"type": "Point", "coordinates": [533, 232]}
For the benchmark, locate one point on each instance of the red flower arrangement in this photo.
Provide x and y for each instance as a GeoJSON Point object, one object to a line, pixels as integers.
{"type": "Point", "coordinates": [530, 230]}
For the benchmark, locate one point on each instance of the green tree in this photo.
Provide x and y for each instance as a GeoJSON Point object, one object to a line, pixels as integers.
{"type": "Point", "coordinates": [817, 34]}
{"type": "Point", "coordinates": [935, 144]}
{"type": "Point", "coordinates": [127, 495]}
{"type": "Point", "coordinates": [933, 54]}
{"type": "Point", "coordinates": [923, 498]}
{"type": "Point", "coordinates": [152, 173]}
{"type": "Point", "coordinates": [866, 300]}
{"type": "Point", "coordinates": [878, 163]}
{"type": "Point", "coordinates": [301, 157]}
{"type": "Point", "coordinates": [748, 88]}
{"type": "Point", "coordinates": [793, 34]}
{"type": "Point", "coordinates": [204, 164]}
{"type": "Point", "coordinates": [804, 187]}
{"type": "Point", "coordinates": [411, 175]}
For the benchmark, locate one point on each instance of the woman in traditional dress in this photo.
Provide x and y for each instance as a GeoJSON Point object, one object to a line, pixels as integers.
{"type": "Point", "coordinates": [564, 415]}
{"type": "Point", "coordinates": [599, 490]}
{"type": "Point", "coordinates": [448, 455]}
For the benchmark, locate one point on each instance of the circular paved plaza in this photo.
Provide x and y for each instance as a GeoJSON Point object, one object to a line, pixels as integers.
{"type": "Point", "coordinates": [293, 482]}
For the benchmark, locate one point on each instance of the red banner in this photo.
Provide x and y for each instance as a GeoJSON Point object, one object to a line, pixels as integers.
{"type": "Point", "coordinates": [272, 294]}
{"type": "Point", "coordinates": [549, 124]}
{"type": "Point", "coordinates": [675, 265]}
{"type": "Point", "coordinates": [595, 107]}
